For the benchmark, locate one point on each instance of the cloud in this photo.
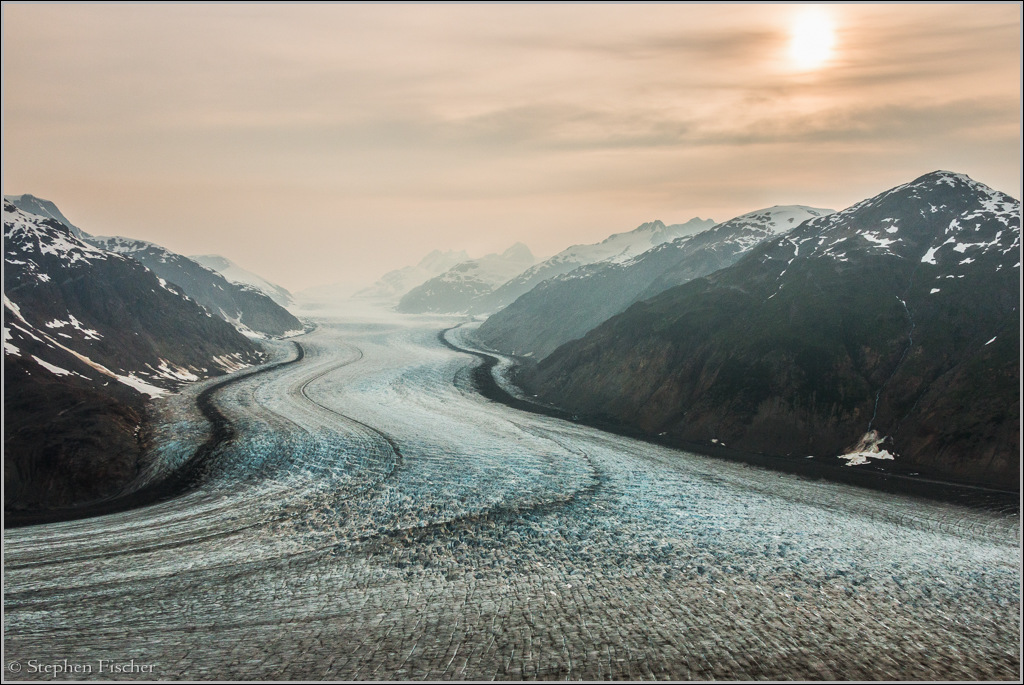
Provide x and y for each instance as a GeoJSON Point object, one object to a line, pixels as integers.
{"type": "Point", "coordinates": [437, 119]}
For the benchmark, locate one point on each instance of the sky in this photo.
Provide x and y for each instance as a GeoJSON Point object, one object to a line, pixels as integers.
{"type": "Point", "coordinates": [331, 143]}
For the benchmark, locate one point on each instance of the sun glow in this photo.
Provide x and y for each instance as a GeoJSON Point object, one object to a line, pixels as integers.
{"type": "Point", "coordinates": [812, 37]}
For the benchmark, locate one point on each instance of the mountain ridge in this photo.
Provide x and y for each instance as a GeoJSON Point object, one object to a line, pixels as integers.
{"type": "Point", "coordinates": [565, 307]}
{"type": "Point", "coordinates": [395, 283]}
{"type": "Point", "coordinates": [244, 306]}
{"type": "Point", "coordinates": [89, 337]}
{"type": "Point", "coordinates": [236, 274]}
{"type": "Point", "coordinates": [888, 333]}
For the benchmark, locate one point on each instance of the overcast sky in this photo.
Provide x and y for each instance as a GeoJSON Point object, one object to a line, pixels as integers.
{"type": "Point", "coordinates": [325, 143]}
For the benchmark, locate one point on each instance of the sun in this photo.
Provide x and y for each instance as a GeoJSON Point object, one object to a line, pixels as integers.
{"type": "Point", "coordinates": [812, 37]}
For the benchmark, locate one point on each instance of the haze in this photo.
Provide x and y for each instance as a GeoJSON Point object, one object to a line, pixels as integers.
{"type": "Point", "coordinates": [331, 143]}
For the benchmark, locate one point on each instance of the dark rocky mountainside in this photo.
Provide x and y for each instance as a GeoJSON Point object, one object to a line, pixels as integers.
{"type": "Point", "coordinates": [243, 305]}
{"type": "Point", "coordinates": [888, 330]}
{"type": "Point", "coordinates": [88, 336]}
{"type": "Point", "coordinates": [564, 308]}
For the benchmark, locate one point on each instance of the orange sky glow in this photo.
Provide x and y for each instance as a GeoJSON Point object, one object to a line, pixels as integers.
{"type": "Point", "coordinates": [331, 143]}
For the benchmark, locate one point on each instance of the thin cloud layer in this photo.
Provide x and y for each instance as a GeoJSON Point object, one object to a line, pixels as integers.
{"type": "Point", "coordinates": [372, 134]}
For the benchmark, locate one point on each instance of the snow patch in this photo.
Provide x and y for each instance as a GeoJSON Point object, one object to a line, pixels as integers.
{"type": "Point", "coordinates": [9, 347]}
{"type": "Point", "coordinates": [142, 386]}
{"type": "Point", "coordinates": [15, 309]}
{"type": "Point", "coordinates": [229, 362]}
{"type": "Point", "coordinates": [881, 242]}
{"type": "Point", "coordinates": [174, 372]}
{"type": "Point", "coordinates": [867, 449]}
{"type": "Point", "coordinates": [56, 370]}
{"type": "Point", "coordinates": [87, 333]}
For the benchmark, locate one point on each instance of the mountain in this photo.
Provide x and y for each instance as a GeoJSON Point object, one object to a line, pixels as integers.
{"type": "Point", "coordinates": [564, 308]}
{"type": "Point", "coordinates": [245, 306]}
{"type": "Point", "coordinates": [394, 284]}
{"type": "Point", "coordinates": [887, 331]}
{"type": "Point", "coordinates": [44, 208]}
{"type": "Point", "coordinates": [616, 248]}
{"type": "Point", "coordinates": [459, 287]}
{"type": "Point", "coordinates": [236, 274]}
{"type": "Point", "coordinates": [89, 335]}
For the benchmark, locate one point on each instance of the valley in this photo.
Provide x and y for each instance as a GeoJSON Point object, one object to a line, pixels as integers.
{"type": "Point", "coordinates": [375, 517]}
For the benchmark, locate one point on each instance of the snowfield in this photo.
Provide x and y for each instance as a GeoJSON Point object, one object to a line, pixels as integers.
{"type": "Point", "coordinates": [375, 518]}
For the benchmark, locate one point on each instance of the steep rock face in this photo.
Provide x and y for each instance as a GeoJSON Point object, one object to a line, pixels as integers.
{"type": "Point", "coordinates": [243, 305]}
{"type": "Point", "coordinates": [83, 447]}
{"type": "Point", "coordinates": [236, 274]}
{"type": "Point", "coordinates": [898, 315]}
{"type": "Point", "coordinates": [457, 289]}
{"type": "Point", "coordinates": [88, 336]}
{"type": "Point", "coordinates": [564, 308]}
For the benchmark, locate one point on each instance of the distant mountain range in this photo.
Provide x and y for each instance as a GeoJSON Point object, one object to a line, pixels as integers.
{"type": "Point", "coordinates": [614, 249]}
{"type": "Point", "coordinates": [392, 285]}
{"type": "Point", "coordinates": [457, 289]}
{"type": "Point", "coordinates": [565, 307]}
{"type": "Point", "coordinates": [89, 335]}
{"type": "Point", "coordinates": [485, 285]}
{"type": "Point", "coordinates": [890, 330]}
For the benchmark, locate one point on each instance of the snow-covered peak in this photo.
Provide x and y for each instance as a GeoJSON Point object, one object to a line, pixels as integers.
{"type": "Point", "coordinates": [492, 269]}
{"type": "Point", "coordinates": [932, 193]}
{"type": "Point", "coordinates": [747, 230]}
{"type": "Point", "coordinates": [438, 262]}
{"type": "Point", "coordinates": [122, 245]}
{"type": "Point", "coordinates": [519, 253]}
{"type": "Point", "coordinates": [952, 179]}
{"type": "Point", "coordinates": [28, 237]}
{"type": "Point", "coordinates": [396, 283]}
{"type": "Point", "coordinates": [941, 219]}
{"type": "Point", "coordinates": [622, 246]}
{"type": "Point", "coordinates": [463, 287]}
{"type": "Point", "coordinates": [616, 248]}
{"type": "Point", "coordinates": [45, 208]}
{"type": "Point", "coordinates": [778, 219]}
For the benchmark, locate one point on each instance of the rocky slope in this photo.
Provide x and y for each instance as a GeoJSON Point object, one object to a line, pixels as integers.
{"type": "Point", "coordinates": [888, 332]}
{"type": "Point", "coordinates": [458, 289]}
{"type": "Point", "coordinates": [564, 308]}
{"type": "Point", "coordinates": [89, 335]}
{"type": "Point", "coordinates": [244, 306]}
{"type": "Point", "coordinates": [236, 274]}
